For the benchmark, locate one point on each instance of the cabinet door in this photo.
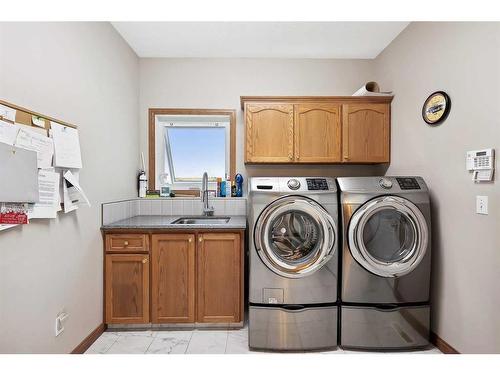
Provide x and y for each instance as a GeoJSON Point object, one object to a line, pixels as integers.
{"type": "Point", "coordinates": [127, 288]}
{"type": "Point", "coordinates": [366, 132]}
{"type": "Point", "coordinates": [317, 133]}
{"type": "Point", "coordinates": [172, 282]}
{"type": "Point", "coordinates": [219, 278]}
{"type": "Point", "coordinates": [269, 133]}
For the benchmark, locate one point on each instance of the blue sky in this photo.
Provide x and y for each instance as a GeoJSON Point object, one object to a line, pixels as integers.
{"type": "Point", "coordinates": [196, 150]}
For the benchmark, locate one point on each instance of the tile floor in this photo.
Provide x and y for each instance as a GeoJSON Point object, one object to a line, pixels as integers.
{"type": "Point", "coordinates": [186, 342]}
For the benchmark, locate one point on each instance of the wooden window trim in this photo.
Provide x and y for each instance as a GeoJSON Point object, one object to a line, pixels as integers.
{"type": "Point", "coordinates": [153, 112]}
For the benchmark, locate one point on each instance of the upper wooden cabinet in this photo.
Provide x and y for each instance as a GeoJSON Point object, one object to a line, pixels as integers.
{"type": "Point", "coordinates": [365, 129]}
{"type": "Point", "coordinates": [173, 275]}
{"type": "Point", "coordinates": [269, 133]}
{"type": "Point", "coordinates": [317, 129]}
{"type": "Point", "coordinates": [317, 133]}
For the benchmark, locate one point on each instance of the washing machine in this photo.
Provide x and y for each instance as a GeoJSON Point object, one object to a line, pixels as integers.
{"type": "Point", "coordinates": [386, 263]}
{"type": "Point", "coordinates": [293, 266]}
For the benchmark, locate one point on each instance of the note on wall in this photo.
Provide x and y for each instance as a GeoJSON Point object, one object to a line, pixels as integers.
{"type": "Point", "coordinates": [40, 143]}
{"type": "Point", "coordinates": [8, 132]}
{"type": "Point", "coordinates": [74, 195]}
{"type": "Point", "coordinates": [48, 191]}
{"type": "Point", "coordinates": [18, 174]}
{"type": "Point", "coordinates": [14, 213]}
{"type": "Point", "coordinates": [7, 113]}
{"type": "Point", "coordinates": [66, 146]}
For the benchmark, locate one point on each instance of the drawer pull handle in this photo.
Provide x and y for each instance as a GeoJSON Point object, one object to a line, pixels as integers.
{"type": "Point", "coordinates": [125, 243]}
{"type": "Point", "coordinates": [145, 260]}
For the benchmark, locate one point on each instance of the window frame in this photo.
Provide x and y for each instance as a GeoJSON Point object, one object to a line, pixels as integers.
{"type": "Point", "coordinates": [152, 138]}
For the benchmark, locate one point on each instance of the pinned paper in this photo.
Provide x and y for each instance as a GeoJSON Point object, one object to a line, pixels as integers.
{"type": "Point", "coordinates": [8, 132]}
{"type": "Point", "coordinates": [66, 146]}
{"type": "Point", "coordinates": [38, 121]}
{"type": "Point", "coordinates": [14, 213]}
{"type": "Point", "coordinates": [43, 145]}
{"type": "Point", "coordinates": [7, 113]}
{"type": "Point", "coordinates": [73, 194]}
{"type": "Point", "coordinates": [48, 191]}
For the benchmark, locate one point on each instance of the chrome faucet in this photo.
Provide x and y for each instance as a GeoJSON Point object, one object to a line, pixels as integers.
{"type": "Point", "coordinates": [207, 210]}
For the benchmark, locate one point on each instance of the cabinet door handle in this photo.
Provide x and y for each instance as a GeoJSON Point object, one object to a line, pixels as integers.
{"type": "Point", "coordinates": [190, 239]}
{"type": "Point", "coordinates": [125, 243]}
{"type": "Point", "coordinates": [200, 239]}
{"type": "Point", "coordinates": [145, 260]}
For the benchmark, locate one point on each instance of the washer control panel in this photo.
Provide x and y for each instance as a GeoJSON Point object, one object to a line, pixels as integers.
{"type": "Point", "coordinates": [317, 184]}
{"type": "Point", "coordinates": [408, 183]}
{"type": "Point", "coordinates": [293, 184]}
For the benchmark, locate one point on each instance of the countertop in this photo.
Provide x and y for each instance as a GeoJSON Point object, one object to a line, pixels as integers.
{"type": "Point", "coordinates": [165, 222]}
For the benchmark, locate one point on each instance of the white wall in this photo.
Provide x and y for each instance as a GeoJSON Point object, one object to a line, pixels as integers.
{"type": "Point", "coordinates": [83, 73]}
{"type": "Point", "coordinates": [462, 59]}
{"type": "Point", "coordinates": [219, 83]}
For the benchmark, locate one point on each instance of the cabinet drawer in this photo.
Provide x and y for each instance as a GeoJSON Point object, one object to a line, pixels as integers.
{"type": "Point", "coordinates": [118, 243]}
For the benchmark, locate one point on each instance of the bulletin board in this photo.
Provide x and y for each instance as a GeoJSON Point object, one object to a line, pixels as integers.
{"type": "Point", "coordinates": [24, 116]}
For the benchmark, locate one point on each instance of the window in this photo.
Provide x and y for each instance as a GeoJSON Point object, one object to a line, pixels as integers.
{"type": "Point", "coordinates": [187, 145]}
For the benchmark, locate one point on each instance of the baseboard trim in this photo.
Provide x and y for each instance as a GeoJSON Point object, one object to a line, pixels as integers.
{"type": "Point", "coordinates": [442, 345]}
{"type": "Point", "coordinates": [89, 340]}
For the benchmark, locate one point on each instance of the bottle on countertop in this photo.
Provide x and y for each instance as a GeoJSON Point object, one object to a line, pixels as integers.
{"type": "Point", "coordinates": [217, 191]}
{"type": "Point", "coordinates": [143, 184]}
{"type": "Point", "coordinates": [228, 186]}
{"type": "Point", "coordinates": [239, 184]}
{"type": "Point", "coordinates": [222, 188]}
{"type": "Point", "coordinates": [233, 189]}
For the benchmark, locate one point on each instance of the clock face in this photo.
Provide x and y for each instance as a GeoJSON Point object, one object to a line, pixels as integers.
{"type": "Point", "coordinates": [436, 108]}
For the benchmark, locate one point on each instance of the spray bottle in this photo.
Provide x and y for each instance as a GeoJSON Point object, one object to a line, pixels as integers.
{"type": "Point", "coordinates": [142, 179]}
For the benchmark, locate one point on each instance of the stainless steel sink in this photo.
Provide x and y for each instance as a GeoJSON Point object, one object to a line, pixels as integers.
{"type": "Point", "coordinates": [193, 220]}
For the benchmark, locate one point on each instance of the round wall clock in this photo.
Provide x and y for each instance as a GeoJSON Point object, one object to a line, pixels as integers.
{"type": "Point", "coordinates": [436, 108]}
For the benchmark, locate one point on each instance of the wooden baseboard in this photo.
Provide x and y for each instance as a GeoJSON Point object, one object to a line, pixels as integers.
{"type": "Point", "coordinates": [89, 340]}
{"type": "Point", "coordinates": [442, 345]}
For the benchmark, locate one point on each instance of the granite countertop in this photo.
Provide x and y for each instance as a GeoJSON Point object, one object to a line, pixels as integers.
{"type": "Point", "coordinates": [165, 222]}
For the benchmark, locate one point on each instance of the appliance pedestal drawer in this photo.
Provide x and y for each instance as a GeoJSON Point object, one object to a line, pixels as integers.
{"type": "Point", "coordinates": [292, 328]}
{"type": "Point", "coordinates": [385, 328]}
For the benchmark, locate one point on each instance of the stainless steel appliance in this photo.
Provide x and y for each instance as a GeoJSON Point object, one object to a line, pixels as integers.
{"type": "Point", "coordinates": [386, 263]}
{"type": "Point", "coordinates": [293, 263]}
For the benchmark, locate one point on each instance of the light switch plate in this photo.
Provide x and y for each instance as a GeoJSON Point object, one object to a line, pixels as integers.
{"type": "Point", "coordinates": [482, 204]}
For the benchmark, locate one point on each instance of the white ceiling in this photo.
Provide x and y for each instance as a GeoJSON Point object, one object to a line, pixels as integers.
{"type": "Point", "coordinates": [344, 40]}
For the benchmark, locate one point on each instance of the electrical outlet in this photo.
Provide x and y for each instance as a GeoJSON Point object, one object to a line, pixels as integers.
{"type": "Point", "coordinates": [60, 318]}
{"type": "Point", "coordinates": [482, 204]}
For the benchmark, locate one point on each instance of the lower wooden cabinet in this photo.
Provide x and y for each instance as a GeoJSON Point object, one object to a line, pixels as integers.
{"type": "Point", "coordinates": [172, 281]}
{"type": "Point", "coordinates": [127, 288]}
{"type": "Point", "coordinates": [219, 274]}
{"type": "Point", "coordinates": [195, 277]}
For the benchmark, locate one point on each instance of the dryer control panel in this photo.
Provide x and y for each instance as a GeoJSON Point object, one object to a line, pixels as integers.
{"type": "Point", "coordinates": [316, 184]}
{"type": "Point", "coordinates": [408, 183]}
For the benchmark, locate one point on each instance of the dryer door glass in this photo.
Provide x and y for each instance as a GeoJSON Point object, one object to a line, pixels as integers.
{"type": "Point", "coordinates": [388, 236]}
{"type": "Point", "coordinates": [295, 236]}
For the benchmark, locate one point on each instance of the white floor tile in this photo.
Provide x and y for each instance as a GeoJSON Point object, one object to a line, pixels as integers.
{"type": "Point", "coordinates": [208, 342]}
{"type": "Point", "coordinates": [197, 342]}
{"type": "Point", "coordinates": [170, 342]}
{"type": "Point", "coordinates": [237, 342]}
{"type": "Point", "coordinates": [131, 344]}
{"type": "Point", "coordinates": [103, 343]}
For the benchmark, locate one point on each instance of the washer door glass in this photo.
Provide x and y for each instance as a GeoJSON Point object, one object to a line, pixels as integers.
{"type": "Point", "coordinates": [388, 236]}
{"type": "Point", "coordinates": [295, 236]}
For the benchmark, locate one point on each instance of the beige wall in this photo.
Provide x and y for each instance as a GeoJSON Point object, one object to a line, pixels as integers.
{"type": "Point", "coordinates": [219, 83]}
{"type": "Point", "coordinates": [463, 60]}
{"type": "Point", "coordinates": [86, 74]}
